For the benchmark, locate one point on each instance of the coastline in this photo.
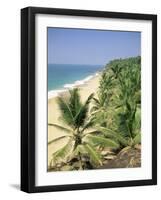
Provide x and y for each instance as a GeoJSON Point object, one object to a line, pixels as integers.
{"type": "Point", "coordinates": [87, 86]}
{"type": "Point", "coordinates": [68, 86]}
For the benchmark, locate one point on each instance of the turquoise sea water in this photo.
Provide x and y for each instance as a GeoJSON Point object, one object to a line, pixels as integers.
{"type": "Point", "coordinates": [61, 76]}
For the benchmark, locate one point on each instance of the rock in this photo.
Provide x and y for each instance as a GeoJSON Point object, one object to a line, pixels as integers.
{"type": "Point", "coordinates": [107, 152]}
{"type": "Point", "coordinates": [104, 153]}
{"type": "Point", "coordinates": [138, 146]}
{"type": "Point", "coordinates": [126, 158]}
{"type": "Point", "coordinates": [110, 157]}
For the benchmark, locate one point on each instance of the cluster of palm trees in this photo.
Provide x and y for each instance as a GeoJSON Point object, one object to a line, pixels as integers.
{"type": "Point", "coordinates": [113, 121]}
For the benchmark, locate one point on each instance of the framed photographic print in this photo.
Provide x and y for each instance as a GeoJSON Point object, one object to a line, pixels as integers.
{"type": "Point", "coordinates": [88, 99]}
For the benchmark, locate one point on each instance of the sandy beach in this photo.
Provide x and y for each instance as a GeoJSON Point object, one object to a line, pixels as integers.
{"type": "Point", "coordinates": [54, 114]}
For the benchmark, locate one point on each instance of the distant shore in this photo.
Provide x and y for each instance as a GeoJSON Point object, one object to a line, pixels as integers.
{"type": "Point", "coordinates": [86, 88]}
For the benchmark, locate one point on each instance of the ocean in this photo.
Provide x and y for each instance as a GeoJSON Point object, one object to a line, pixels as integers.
{"type": "Point", "coordinates": [65, 76]}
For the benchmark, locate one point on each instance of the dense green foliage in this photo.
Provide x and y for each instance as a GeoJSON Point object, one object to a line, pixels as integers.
{"type": "Point", "coordinates": [114, 121]}
{"type": "Point", "coordinates": [117, 110]}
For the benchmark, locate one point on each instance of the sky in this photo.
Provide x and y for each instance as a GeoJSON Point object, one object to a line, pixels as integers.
{"type": "Point", "coordinates": [94, 47]}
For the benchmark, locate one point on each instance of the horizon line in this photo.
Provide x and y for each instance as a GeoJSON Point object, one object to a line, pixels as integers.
{"type": "Point", "coordinates": [96, 64]}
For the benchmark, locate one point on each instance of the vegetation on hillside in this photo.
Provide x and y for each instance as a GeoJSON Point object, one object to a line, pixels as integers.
{"type": "Point", "coordinates": [112, 125]}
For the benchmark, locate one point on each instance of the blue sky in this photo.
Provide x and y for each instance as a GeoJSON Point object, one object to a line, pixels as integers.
{"type": "Point", "coordinates": [82, 46]}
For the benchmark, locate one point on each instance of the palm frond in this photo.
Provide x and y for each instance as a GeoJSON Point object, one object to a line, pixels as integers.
{"type": "Point", "coordinates": [96, 101]}
{"type": "Point", "coordinates": [137, 139]}
{"type": "Point", "coordinates": [65, 110]}
{"type": "Point", "coordinates": [90, 133]}
{"type": "Point", "coordinates": [95, 157]}
{"type": "Point", "coordinates": [132, 120]}
{"type": "Point", "coordinates": [74, 101]}
{"type": "Point", "coordinates": [74, 113]}
{"type": "Point", "coordinates": [80, 149]}
{"type": "Point", "coordinates": [67, 130]}
{"type": "Point", "coordinates": [123, 128]}
{"type": "Point", "coordinates": [101, 141]}
{"type": "Point", "coordinates": [62, 154]}
{"type": "Point", "coordinates": [89, 124]}
{"type": "Point", "coordinates": [137, 123]}
{"type": "Point", "coordinates": [82, 114]}
{"type": "Point", "coordinates": [112, 134]}
{"type": "Point", "coordinates": [57, 139]}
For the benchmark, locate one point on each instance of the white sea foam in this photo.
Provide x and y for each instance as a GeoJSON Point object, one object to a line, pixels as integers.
{"type": "Point", "coordinates": [78, 83]}
{"type": "Point", "coordinates": [54, 93]}
{"type": "Point", "coordinates": [68, 86]}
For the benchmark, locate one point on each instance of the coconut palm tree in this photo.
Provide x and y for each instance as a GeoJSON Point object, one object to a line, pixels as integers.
{"type": "Point", "coordinates": [129, 115]}
{"type": "Point", "coordinates": [101, 103]}
{"type": "Point", "coordinates": [81, 150]}
{"type": "Point", "coordinates": [128, 125]}
{"type": "Point", "coordinates": [123, 122]}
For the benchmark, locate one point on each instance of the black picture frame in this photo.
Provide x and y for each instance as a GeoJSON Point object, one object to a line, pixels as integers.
{"type": "Point", "coordinates": [28, 98]}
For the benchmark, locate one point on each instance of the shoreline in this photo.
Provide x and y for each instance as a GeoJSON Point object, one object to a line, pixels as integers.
{"type": "Point", "coordinates": [68, 86]}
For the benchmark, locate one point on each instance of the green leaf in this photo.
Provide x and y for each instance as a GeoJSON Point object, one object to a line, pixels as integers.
{"type": "Point", "coordinates": [74, 101]}
{"type": "Point", "coordinates": [80, 149]}
{"type": "Point", "coordinates": [65, 110]}
{"type": "Point", "coordinates": [82, 114]}
{"type": "Point", "coordinates": [137, 123]}
{"type": "Point", "coordinates": [112, 134]}
{"type": "Point", "coordinates": [137, 139]}
{"type": "Point", "coordinates": [101, 141]}
{"type": "Point", "coordinates": [62, 154]}
{"type": "Point", "coordinates": [73, 112]}
{"type": "Point", "coordinates": [90, 133]}
{"type": "Point", "coordinates": [123, 127]}
{"type": "Point", "coordinates": [95, 157]}
{"type": "Point", "coordinates": [89, 124]}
